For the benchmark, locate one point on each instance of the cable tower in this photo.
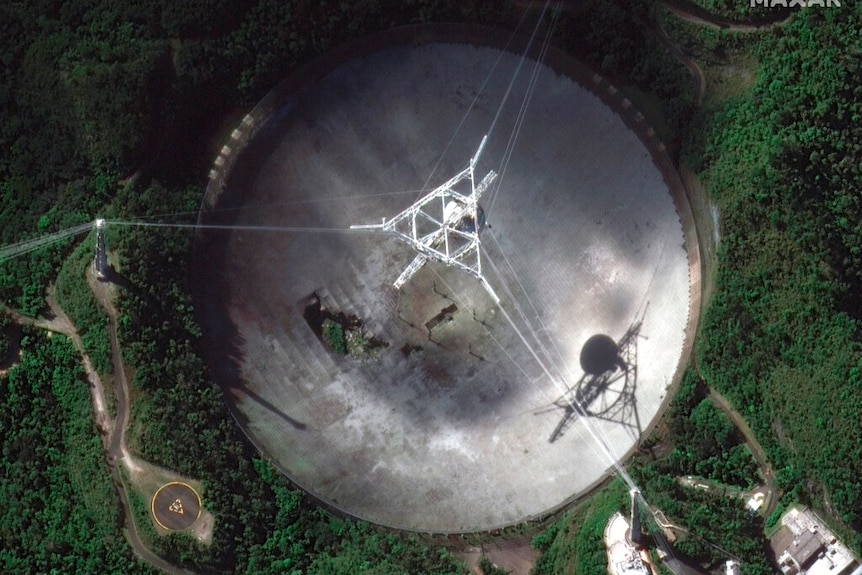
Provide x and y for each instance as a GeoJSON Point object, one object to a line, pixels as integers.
{"type": "Point", "coordinates": [101, 259]}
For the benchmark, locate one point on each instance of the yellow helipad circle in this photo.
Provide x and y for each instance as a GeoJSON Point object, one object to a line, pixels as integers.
{"type": "Point", "coordinates": [176, 506]}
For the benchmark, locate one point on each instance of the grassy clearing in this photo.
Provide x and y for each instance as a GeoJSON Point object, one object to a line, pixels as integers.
{"type": "Point", "coordinates": [728, 80]}
{"type": "Point", "coordinates": [140, 509]}
{"type": "Point", "coordinates": [143, 481]}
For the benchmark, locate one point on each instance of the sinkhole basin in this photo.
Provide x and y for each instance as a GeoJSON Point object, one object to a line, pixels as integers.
{"type": "Point", "coordinates": [455, 414]}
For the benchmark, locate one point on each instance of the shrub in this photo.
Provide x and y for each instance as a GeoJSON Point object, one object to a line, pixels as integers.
{"type": "Point", "coordinates": [333, 335]}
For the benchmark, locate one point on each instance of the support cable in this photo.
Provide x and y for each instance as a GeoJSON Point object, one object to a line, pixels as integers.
{"type": "Point", "coordinates": [27, 246]}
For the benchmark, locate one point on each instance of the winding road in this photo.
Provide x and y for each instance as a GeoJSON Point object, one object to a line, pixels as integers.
{"type": "Point", "coordinates": [772, 491]}
{"type": "Point", "coordinates": [112, 430]}
{"type": "Point", "coordinates": [115, 445]}
{"type": "Point", "coordinates": [692, 13]}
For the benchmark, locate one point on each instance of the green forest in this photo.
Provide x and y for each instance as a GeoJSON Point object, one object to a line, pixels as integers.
{"type": "Point", "coordinates": [117, 110]}
{"type": "Point", "coordinates": [781, 336]}
{"type": "Point", "coordinates": [52, 455]}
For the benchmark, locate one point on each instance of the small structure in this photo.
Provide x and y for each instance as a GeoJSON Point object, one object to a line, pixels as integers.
{"type": "Point", "coordinates": [804, 545]}
{"type": "Point", "coordinates": [101, 262]}
{"type": "Point", "coordinates": [625, 542]}
{"type": "Point", "coordinates": [755, 502]}
{"type": "Point", "coordinates": [731, 567]}
{"type": "Point", "coordinates": [666, 526]}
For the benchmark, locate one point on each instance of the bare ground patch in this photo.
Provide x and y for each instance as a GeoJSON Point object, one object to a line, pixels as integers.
{"type": "Point", "coordinates": [727, 81]}
{"type": "Point", "coordinates": [516, 560]}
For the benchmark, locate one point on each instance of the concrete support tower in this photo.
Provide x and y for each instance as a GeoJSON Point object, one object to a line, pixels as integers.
{"type": "Point", "coordinates": [636, 532]}
{"type": "Point", "coordinates": [101, 261]}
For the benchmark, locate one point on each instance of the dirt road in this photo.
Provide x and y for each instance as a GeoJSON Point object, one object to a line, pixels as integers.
{"type": "Point", "coordinates": [772, 494]}
{"type": "Point", "coordinates": [112, 430]}
{"type": "Point", "coordinates": [115, 446]}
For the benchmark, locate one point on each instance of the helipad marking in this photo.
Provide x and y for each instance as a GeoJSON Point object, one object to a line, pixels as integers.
{"type": "Point", "coordinates": [176, 507]}
{"type": "Point", "coordinates": [173, 516]}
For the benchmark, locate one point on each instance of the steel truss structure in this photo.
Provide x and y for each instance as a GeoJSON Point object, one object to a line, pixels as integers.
{"type": "Point", "coordinates": [444, 225]}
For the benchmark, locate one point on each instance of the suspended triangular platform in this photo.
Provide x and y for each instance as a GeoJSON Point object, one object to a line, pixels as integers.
{"type": "Point", "coordinates": [444, 225]}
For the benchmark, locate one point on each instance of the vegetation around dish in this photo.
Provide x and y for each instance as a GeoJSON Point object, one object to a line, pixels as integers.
{"type": "Point", "coordinates": [77, 300]}
{"type": "Point", "coordinates": [59, 510]}
{"type": "Point", "coordinates": [781, 337]}
{"type": "Point", "coordinates": [714, 518]}
{"type": "Point", "coordinates": [333, 334]}
{"type": "Point", "coordinates": [6, 343]}
{"type": "Point", "coordinates": [345, 335]}
{"type": "Point", "coordinates": [574, 544]}
{"type": "Point", "coordinates": [739, 12]}
{"type": "Point", "coordinates": [707, 445]}
{"type": "Point", "coordinates": [117, 108]}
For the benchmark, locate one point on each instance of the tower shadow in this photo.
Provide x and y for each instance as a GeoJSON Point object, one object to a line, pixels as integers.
{"type": "Point", "coordinates": [244, 390]}
{"type": "Point", "coordinates": [607, 389]}
{"type": "Point", "coordinates": [110, 275]}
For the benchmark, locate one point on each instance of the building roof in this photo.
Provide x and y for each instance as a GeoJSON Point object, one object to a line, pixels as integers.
{"type": "Point", "coordinates": [781, 540]}
{"type": "Point", "coordinates": [804, 544]}
{"type": "Point", "coordinates": [805, 547]}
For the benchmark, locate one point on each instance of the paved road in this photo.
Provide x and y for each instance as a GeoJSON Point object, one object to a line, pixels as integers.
{"type": "Point", "coordinates": [772, 493]}
{"type": "Point", "coordinates": [117, 441]}
{"type": "Point", "coordinates": [691, 13]}
{"type": "Point", "coordinates": [117, 451]}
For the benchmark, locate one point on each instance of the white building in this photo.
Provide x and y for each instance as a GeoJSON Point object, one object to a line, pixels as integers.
{"type": "Point", "coordinates": [623, 557]}
{"type": "Point", "coordinates": [804, 545]}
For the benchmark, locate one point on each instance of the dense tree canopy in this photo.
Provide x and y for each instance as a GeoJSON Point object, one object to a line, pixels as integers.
{"type": "Point", "coordinates": [575, 544]}
{"type": "Point", "coordinates": [58, 509]}
{"type": "Point", "coordinates": [6, 335]}
{"type": "Point", "coordinates": [782, 334]}
{"type": "Point", "coordinates": [706, 443]}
